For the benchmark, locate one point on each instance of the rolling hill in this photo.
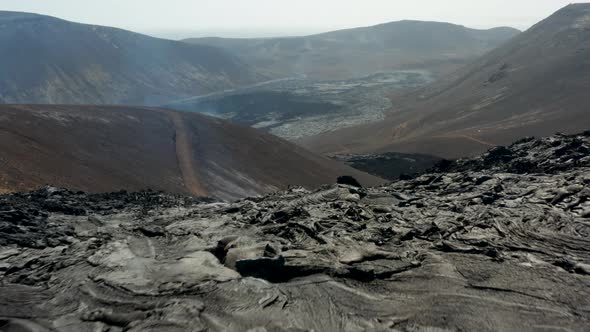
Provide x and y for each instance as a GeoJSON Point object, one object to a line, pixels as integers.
{"type": "Point", "coordinates": [107, 148]}
{"type": "Point", "coordinates": [536, 84]}
{"type": "Point", "coordinates": [345, 54]}
{"type": "Point", "coordinates": [47, 60]}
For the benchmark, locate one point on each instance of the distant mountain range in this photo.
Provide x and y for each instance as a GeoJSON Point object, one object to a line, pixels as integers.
{"type": "Point", "coordinates": [344, 54]}
{"type": "Point", "coordinates": [48, 60]}
{"type": "Point", "coordinates": [536, 84]}
{"type": "Point", "coordinates": [107, 148]}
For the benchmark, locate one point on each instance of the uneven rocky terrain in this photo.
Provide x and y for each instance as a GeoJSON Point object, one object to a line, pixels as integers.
{"type": "Point", "coordinates": [495, 243]}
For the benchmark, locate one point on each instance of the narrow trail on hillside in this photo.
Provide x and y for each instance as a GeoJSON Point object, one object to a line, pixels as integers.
{"type": "Point", "coordinates": [479, 140]}
{"type": "Point", "coordinates": [471, 138]}
{"type": "Point", "coordinates": [184, 155]}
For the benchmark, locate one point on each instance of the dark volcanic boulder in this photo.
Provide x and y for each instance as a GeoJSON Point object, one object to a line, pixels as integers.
{"type": "Point", "coordinates": [348, 180]}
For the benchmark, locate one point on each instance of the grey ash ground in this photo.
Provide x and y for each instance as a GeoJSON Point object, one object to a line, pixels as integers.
{"type": "Point", "coordinates": [294, 108]}
{"type": "Point", "coordinates": [495, 243]}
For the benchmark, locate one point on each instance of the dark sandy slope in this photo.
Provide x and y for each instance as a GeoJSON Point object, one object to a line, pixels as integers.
{"type": "Point", "coordinates": [97, 149]}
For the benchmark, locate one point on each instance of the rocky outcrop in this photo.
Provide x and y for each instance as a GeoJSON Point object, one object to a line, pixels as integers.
{"type": "Point", "coordinates": [476, 248]}
{"type": "Point", "coordinates": [529, 155]}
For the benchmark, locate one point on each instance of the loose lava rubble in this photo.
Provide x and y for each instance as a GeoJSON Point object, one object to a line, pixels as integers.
{"type": "Point", "coordinates": [495, 243]}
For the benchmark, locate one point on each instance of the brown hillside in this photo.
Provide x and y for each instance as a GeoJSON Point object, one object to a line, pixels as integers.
{"type": "Point", "coordinates": [106, 148]}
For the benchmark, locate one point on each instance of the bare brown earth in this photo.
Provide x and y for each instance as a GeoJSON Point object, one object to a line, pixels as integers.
{"type": "Point", "coordinates": [107, 148]}
{"type": "Point", "coordinates": [534, 85]}
{"type": "Point", "coordinates": [183, 155]}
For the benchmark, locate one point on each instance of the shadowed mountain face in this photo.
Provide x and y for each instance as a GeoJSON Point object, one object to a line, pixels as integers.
{"type": "Point", "coordinates": [536, 84]}
{"type": "Point", "coordinates": [357, 52]}
{"type": "Point", "coordinates": [48, 60]}
{"type": "Point", "coordinates": [100, 149]}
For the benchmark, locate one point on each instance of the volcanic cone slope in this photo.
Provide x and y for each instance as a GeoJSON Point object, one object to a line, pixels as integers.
{"type": "Point", "coordinates": [109, 148]}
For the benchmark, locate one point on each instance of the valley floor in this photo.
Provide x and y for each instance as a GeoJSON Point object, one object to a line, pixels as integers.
{"type": "Point", "coordinates": [294, 108]}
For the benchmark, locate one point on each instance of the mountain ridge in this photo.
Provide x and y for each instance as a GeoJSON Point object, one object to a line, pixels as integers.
{"type": "Point", "coordinates": [388, 46]}
{"type": "Point", "coordinates": [533, 85]}
{"type": "Point", "coordinates": [50, 60]}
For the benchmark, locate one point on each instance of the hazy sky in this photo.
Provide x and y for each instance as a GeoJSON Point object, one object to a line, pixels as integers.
{"type": "Point", "coordinates": [244, 18]}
